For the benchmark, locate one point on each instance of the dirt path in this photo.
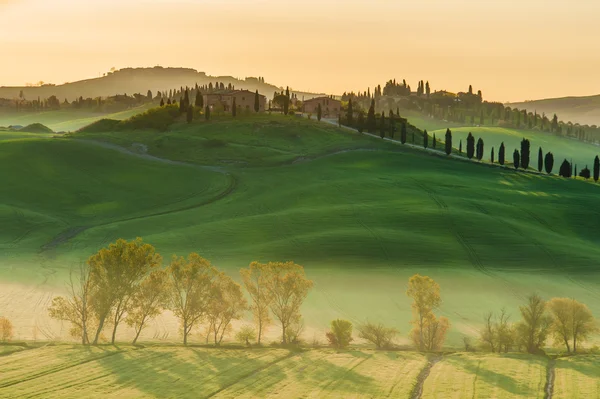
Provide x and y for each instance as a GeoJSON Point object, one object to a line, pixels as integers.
{"type": "Point", "coordinates": [417, 391]}
{"type": "Point", "coordinates": [549, 387]}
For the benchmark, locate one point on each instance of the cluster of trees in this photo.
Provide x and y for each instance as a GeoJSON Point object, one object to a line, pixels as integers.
{"type": "Point", "coordinates": [466, 107]}
{"type": "Point", "coordinates": [125, 283]}
{"type": "Point", "coordinates": [565, 320]}
{"type": "Point", "coordinates": [428, 332]}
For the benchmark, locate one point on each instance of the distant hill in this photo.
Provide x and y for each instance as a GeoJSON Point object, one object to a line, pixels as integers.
{"type": "Point", "coordinates": [139, 80]}
{"type": "Point", "coordinates": [582, 110]}
{"type": "Point", "coordinates": [36, 128]}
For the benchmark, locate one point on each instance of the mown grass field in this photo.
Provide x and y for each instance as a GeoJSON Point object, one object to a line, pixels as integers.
{"type": "Point", "coordinates": [70, 371]}
{"type": "Point", "coordinates": [360, 214]}
{"type": "Point", "coordinates": [577, 377]}
{"type": "Point", "coordinates": [487, 376]}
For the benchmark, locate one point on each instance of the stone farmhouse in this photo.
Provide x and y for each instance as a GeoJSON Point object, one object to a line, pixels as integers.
{"type": "Point", "coordinates": [244, 99]}
{"type": "Point", "coordinates": [330, 107]}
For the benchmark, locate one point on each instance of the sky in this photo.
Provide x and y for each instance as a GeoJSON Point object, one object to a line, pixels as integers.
{"type": "Point", "coordinates": [511, 50]}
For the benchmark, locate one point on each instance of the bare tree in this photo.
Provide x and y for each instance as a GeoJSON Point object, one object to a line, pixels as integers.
{"type": "Point", "coordinates": [288, 287]}
{"type": "Point", "coordinates": [255, 279]}
{"type": "Point", "coordinates": [227, 303]}
{"type": "Point", "coordinates": [76, 307]}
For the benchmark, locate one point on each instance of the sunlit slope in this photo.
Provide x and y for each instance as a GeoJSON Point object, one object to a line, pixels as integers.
{"type": "Point", "coordinates": [50, 186]}
{"type": "Point", "coordinates": [257, 140]}
{"type": "Point", "coordinates": [374, 209]}
{"type": "Point", "coordinates": [65, 119]}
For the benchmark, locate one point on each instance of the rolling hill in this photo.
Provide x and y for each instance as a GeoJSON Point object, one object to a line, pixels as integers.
{"type": "Point", "coordinates": [582, 110]}
{"type": "Point", "coordinates": [139, 80]}
{"type": "Point", "coordinates": [362, 215]}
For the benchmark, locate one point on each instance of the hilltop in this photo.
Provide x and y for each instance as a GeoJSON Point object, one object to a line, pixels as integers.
{"type": "Point", "coordinates": [139, 80]}
{"type": "Point", "coordinates": [582, 110]}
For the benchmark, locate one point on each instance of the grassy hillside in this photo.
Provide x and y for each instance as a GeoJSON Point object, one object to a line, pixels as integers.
{"type": "Point", "coordinates": [360, 214]}
{"type": "Point", "coordinates": [64, 120]}
{"type": "Point", "coordinates": [580, 152]}
{"type": "Point", "coordinates": [582, 110]}
{"type": "Point", "coordinates": [65, 371]}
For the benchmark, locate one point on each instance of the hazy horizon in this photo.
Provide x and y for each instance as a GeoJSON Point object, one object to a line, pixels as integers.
{"type": "Point", "coordinates": [512, 51]}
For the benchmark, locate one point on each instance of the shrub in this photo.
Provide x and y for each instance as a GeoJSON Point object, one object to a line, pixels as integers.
{"type": "Point", "coordinates": [378, 334]}
{"type": "Point", "coordinates": [340, 335]}
{"type": "Point", "coordinates": [246, 335]}
{"type": "Point", "coordinates": [155, 118]}
{"type": "Point", "coordinates": [6, 329]}
{"type": "Point", "coordinates": [103, 125]}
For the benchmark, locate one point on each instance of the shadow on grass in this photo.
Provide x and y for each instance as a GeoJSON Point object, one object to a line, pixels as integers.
{"type": "Point", "coordinates": [502, 381]}
{"type": "Point", "coordinates": [587, 365]}
{"type": "Point", "coordinates": [196, 373]}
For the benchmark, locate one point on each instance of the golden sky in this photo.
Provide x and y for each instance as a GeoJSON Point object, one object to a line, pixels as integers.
{"type": "Point", "coordinates": [511, 50]}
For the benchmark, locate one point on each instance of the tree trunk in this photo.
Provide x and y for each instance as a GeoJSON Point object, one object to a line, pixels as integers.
{"type": "Point", "coordinates": [283, 331]}
{"type": "Point", "coordinates": [574, 343]}
{"type": "Point", "coordinates": [99, 330]}
{"type": "Point", "coordinates": [136, 336]}
{"type": "Point", "coordinates": [259, 330]}
{"type": "Point", "coordinates": [185, 332]}
{"type": "Point", "coordinates": [567, 344]}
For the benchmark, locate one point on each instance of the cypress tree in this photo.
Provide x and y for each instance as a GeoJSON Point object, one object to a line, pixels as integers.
{"type": "Point", "coordinates": [256, 102]}
{"type": "Point", "coordinates": [480, 149]}
{"type": "Point", "coordinates": [392, 124]}
{"type": "Point", "coordinates": [525, 153]}
{"type": "Point", "coordinates": [470, 146]}
{"type": "Point", "coordinates": [162, 102]}
{"type": "Point", "coordinates": [286, 101]}
{"type": "Point", "coordinates": [492, 157]}
{"type": "Point", "coordinates": [349, 115]}
{"type": "Point", "coordinates": [575, 174]}
{"type": "Point", "coordinates": [182, 108]}
{"type": "Point", "coordinates": [186, 98]}
{"type": "Point", "coordinates": [540, 160]}
{"type": "Point", "coordinates": [425, 139]}
{"type": "Point", "coordinates": [460, 147]}
{"type": "Point", "coordinates": [190, 114]}
{"type": "Point", "coordinates": [448, 143]}
{"type": "Point", "coordinates": [596, 168]}
{"type": "Point", "coordinates": [516, 159]}
{"type": "Point", "coordinates": [319, 112]}
{"type": "Point", "coordinates": [371, 122]}
{"type": "Point", "coordinates": [361, 122]}
{"type": "Point", "coordinates": [434, 141]}
{"type": "Point", "coordinates": [549, 162]}
{"type": "Point", "coordinates": [234, 108]}
{"type": "Point", "coordinates": [169, 101]}
{"type": "Point", "coordinates": [382, 126]}
{"type": "Point", "coordinates": [199, 100]}
{"type": "Point", "coordinates": [403, 133]}
{"type": "Point", "coordinates": [501, 154]}
{"type": "Point", "coordinates": [207, 113]}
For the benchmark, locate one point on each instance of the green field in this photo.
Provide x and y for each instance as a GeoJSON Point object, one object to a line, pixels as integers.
{"type": "Point", "coordinates": [66, 371]}
{"type": "Point", "coordinates": [360, 214]}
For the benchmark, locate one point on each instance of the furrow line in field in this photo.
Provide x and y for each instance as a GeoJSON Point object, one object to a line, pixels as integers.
{"type": "Point", "coordinates": [417, 390]}
{"type": "Point", "coordinates": [57, 369]}
{"type": "Point", "coordinates": [549, 387]}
